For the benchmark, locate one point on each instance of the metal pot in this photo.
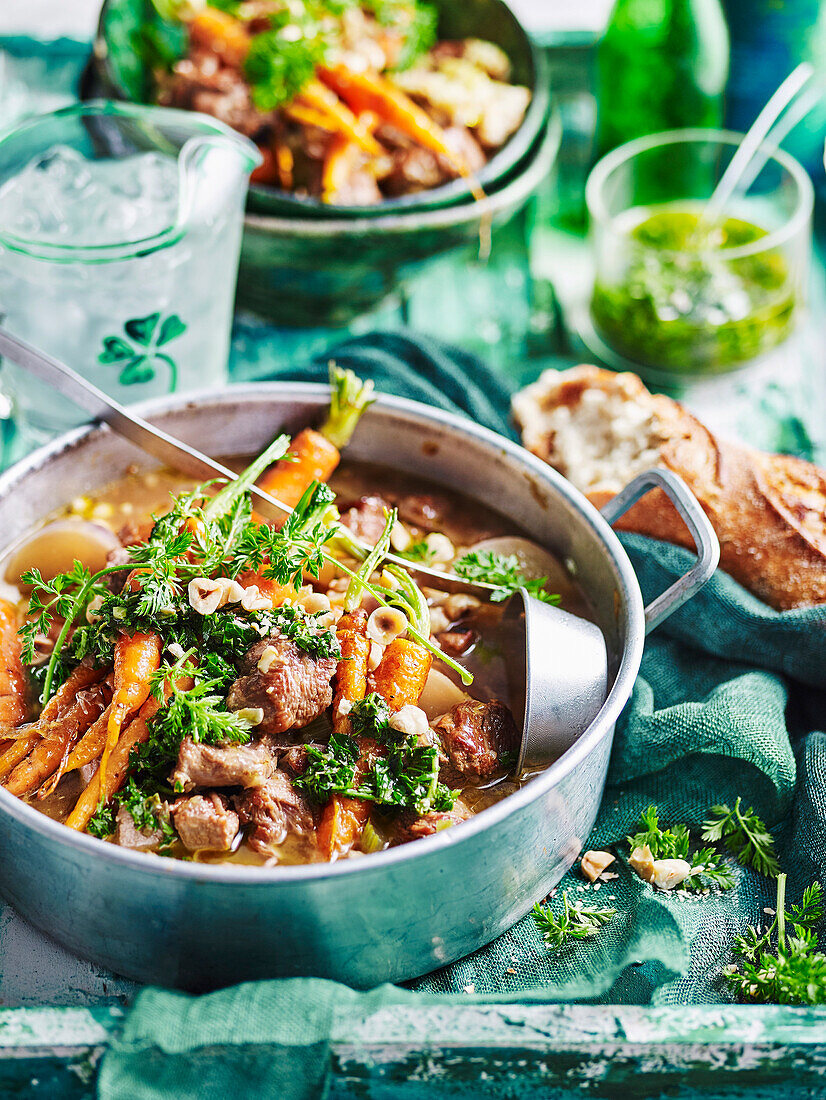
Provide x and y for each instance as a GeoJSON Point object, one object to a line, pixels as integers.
{"type": "Point", "coordinates": [393, 915]}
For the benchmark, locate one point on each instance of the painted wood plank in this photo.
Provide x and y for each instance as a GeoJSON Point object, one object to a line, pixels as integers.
{"type": "Point", "coordinates": [566, 1051]}
{"type": "Point", "coordinates": [53, 1053]}
{"type": "Point", "coordinates": [481, 1051]}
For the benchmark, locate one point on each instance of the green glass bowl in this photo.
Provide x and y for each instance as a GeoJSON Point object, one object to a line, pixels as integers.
{"type": "Point", "coordinates": [121, 75]}
{"type": "Point", "coordinates": [326, 271]}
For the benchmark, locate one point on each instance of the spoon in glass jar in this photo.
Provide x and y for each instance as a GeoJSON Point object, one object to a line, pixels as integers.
{"type": "Point", "coordinates": [771, 125]}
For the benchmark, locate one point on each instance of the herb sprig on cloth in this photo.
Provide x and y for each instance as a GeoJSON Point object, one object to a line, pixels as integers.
{"type": "Point", "coordinates": [745, 836]}
{"type": "Point", "coordinates": [575, 922]}
{"type": "Point", "coordinates": [783, 965]}
{"type": "Point", "coordinates": [707, 866]}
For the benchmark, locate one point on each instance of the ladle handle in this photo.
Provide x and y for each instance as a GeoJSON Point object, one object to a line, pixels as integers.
{"type": "Point", "coordinates": [697, 522]}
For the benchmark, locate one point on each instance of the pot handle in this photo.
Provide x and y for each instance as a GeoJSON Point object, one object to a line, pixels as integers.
{"type": "Point", "coordinates": [697, 522]}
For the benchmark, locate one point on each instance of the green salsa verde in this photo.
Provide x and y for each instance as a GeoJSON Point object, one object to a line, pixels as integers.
{"type": "Point", "coordinates": [683, 305]}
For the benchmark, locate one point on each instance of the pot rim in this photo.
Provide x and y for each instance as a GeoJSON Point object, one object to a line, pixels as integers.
{"type": "Point", "coordinates": [628, 666]}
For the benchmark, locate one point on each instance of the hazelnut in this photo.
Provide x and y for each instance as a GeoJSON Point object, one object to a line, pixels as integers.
{"type": "Point", "coordinates": [385, 624]}
{"type": "Point", "coordinates": [594, 863]}
{"type": "Point", "coordinates": [669, 873]}
{"type": "Point", "coordinates": [440, 548]}
{"type": "Point", "coordinates": [642, 861]}
{"type": "Point", "coordinates": [410, 720]}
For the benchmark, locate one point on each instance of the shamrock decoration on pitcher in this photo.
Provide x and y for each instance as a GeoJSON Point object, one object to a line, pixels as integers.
{"type": "Point", "coordinates": [138, 350]}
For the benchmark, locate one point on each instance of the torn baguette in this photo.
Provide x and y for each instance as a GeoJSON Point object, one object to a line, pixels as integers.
{"type": "Point", "coordinates": [601, 429]}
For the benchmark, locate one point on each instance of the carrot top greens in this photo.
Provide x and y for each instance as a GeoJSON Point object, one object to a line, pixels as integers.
{"type": "Point", "coordinates": [782, 965]}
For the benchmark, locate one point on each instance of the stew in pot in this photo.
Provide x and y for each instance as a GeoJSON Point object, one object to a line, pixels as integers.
{"type": "Point", "coordinates": [194, 681]}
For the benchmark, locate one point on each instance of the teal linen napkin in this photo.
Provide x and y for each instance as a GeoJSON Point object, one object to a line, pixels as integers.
{"type": "Point", "coordinates": [726, 704]}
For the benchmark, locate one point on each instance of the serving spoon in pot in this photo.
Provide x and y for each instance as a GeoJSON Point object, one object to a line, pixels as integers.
{"type": "Point", "coordinates": [559, 674]}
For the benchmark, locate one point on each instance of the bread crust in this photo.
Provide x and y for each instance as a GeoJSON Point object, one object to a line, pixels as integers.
{"type": "Point", "coordinates": [769, 511]}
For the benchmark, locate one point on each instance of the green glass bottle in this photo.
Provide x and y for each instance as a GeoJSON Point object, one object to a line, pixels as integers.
{"type": "Point", "coordinates": [661, 65]}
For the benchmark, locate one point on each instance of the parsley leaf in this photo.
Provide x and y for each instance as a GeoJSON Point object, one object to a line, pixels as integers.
{"type": "Point", "coordinates": [296, 548]}
{"type": "Point", "coordinates": [148, 814]}
{"type": "Point", "coordinates": [664, 843]}
{"type": "Point", "coordinates": [282, 61]}
{"type": "Point", "coordinates": [370, 717]}
{"type": "Point", "coordinates": [575, 922]}
{"type": "Point", "coordinates": [745, 835]}
{"type": "Point", "coordinates": [417, 551]}
{"type": "Point", "coordinates": [708, 869]}
{"type": "Point", "coordinates": [332, 770]}
{"type": "Point", "coordinates": [56, 598]}
{"type": "Point", "coordinates": [501, 571]}
{"type": "Point", "coordinates": [197, 711]}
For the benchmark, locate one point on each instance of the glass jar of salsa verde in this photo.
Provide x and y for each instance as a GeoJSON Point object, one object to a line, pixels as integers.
{"type": "Point", "coordinates": [675, 294]}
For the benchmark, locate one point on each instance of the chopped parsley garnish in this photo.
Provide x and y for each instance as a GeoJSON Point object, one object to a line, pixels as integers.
{"type": "Point", "coordinates": [501, 571]}
{"type": "Point", "coordinates": [782, 965]}
{"type": "Point", "coordinates": [405, 776]}
{"type": "Point", "coordinates": [198, 711]}
{"type": "Point", "coordinates": [417, 551]}
{"type": "Point", "coordinates": [148, 814]}
{"type": "Point", "coordinates": [282, 61]}
{"type": "Point", "coordinates": [575, 922]}
{"type": "Point", "coordinates": [370, 717]}
{"type": "Point", "coordinates": [332, 770]}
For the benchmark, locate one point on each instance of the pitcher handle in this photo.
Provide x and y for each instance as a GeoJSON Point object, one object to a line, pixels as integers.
{"type": "Point", "coordinates": [697, 522]}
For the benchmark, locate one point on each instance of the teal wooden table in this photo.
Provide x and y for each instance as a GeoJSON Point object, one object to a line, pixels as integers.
{"type": "Point", "coordinates": [57, 1013]}
{"type": "Point", "coordinates": [696, 1053]}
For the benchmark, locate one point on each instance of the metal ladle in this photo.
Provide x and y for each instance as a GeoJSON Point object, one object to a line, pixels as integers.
{"type": "Point", "coordinates": [560, 674]}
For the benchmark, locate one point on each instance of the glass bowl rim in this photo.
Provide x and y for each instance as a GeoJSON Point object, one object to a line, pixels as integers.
{"type": "Point", "coordinates": [797, 220]}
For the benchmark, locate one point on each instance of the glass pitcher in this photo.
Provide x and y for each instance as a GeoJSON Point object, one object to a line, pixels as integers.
{"type": "Point", "coordinates": [120, 230]}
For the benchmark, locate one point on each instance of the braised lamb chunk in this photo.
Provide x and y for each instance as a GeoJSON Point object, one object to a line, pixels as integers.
{"type": "Point", "coordinates": [294, 758]}
{"type": "Point", "coordinates": [274, 810]}
{"type": "Point", "coordinates": [128, 835]}
{"type": "Point", "coordinates": [412, 826]}
{"type": "Point", "coordinates": [414, 168]}
{"type": "Point", "coordinates": [205, 822]}
{"type": "Point", "coordinates": [289, 685]}
{"type": "Point", "coordinates": [456, 643]}
{"type": "Point", "coordinates": [426, 510]}
{"type": "Point", "coordinates": [202, 765]}
{"type": "Point", "coordinates": [474, 735]}
{"type": "Point", "coordinates": [201, 83]}
{"type": "Point", "coordinates": [366, 518]}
